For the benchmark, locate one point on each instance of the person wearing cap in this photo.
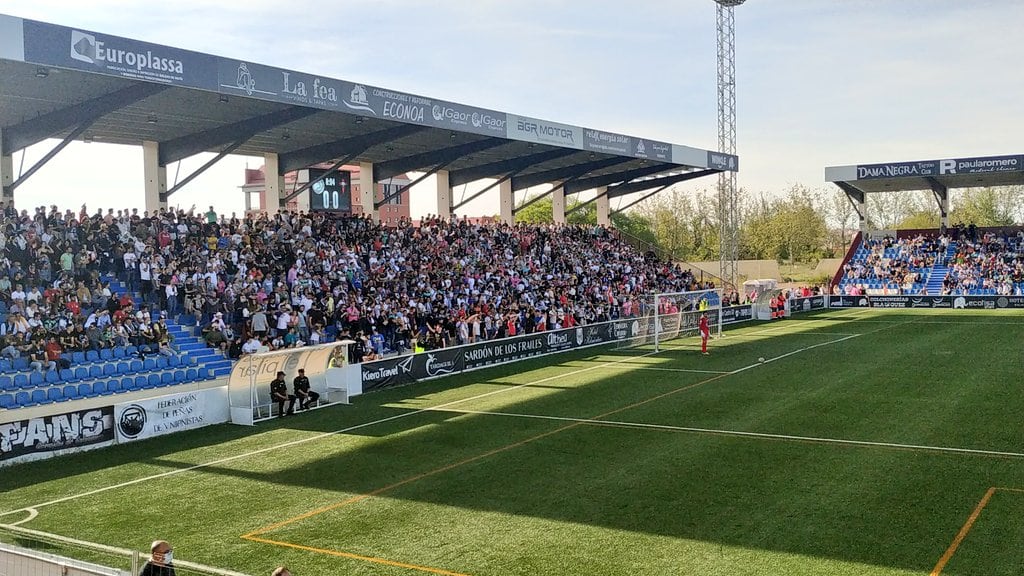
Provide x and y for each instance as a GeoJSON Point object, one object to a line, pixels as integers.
{"type": "Point", "coordinates": [279, 393]}
{"type": "Point", "coordinates": [300, 385]}
{"type": "Point", "coordinates": [161, 560]}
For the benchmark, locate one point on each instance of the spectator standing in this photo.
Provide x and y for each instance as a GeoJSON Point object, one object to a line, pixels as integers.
{"type": "Point", "coordinates": [161, 561]}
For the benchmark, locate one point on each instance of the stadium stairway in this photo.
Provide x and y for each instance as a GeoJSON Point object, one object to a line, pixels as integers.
{"type": "Point", "coordinates": [939, 270]}
{"type": "Point", "coordinates": [184, 341]}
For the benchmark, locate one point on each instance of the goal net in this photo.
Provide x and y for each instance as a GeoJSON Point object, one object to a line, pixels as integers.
{"type": "Point", "coordinates": [674, 315]}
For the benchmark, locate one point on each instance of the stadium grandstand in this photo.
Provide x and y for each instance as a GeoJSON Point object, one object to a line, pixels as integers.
{"type": "Point", "coordinates": [108, 302]}
{"type": "Point", "coordinates": [961, 260]}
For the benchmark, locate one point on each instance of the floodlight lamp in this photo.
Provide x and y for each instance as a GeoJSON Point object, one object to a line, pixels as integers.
{"type": "Point", "coordinates": [730, 3]}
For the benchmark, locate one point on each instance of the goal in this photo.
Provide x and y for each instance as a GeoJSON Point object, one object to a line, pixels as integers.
{"type": "Point", "coordinates": [671, 315]}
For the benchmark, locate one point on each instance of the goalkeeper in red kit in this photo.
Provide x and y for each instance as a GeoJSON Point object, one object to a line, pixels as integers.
{"type": "Point", "coordinates": [705, 333]}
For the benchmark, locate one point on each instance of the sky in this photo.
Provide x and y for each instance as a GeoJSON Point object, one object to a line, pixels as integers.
{"type": "Point", "coordinates": [818, 82]}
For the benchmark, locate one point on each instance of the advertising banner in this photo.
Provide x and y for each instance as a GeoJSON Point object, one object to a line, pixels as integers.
{"type": "Point", "coordinates": [50, 434]}
{"type": "Point", "coordinates": [413, 368]}
{"type": "Point", "coordinates": [1012, 163]}
{"type": "Point", "coordinates": [63, 47]}
{"type": "Point", "coordinates": [332, 192]}
{"type": "Point", "coordinates": [733, 314]}
{"type": "Point", "coordinates": [949, 302]}
{"type": "Point", "coordinates": [162, 415]}
{"type": "Point", "coordinates": [806, 304]}
{"type": "Point", "coordinates": [722, 161]}
{"type": "Point", "coordinates": [529, 129]}
{"type": "Point", "coordinates": [507, 350]}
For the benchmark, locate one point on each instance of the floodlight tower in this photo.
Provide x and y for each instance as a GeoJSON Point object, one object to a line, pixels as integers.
{"type": "Point", "coordinates": [728, 195]}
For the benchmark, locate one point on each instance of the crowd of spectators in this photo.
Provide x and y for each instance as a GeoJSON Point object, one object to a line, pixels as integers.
{"type": "Point", "coordinates": [263, 283]}
{"type": "Point", "coordinates": [893, 262]}
{"type": "Point", "coordinates": [990, 263]}
{"type": "Point", "coordinates": [52, 299]}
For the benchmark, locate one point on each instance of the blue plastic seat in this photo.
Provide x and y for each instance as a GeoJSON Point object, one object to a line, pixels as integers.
{"type": "Point", "coordinates": [148, 365]}
{"type": "Point", "coordinates": [118, 353]}
{"type": "Point", "coordinates": [136, 367]}
{"type": "Point", "coordinates": [131, 350]}
{"type": "Point", "coordinates": [99, 388]}
{"type": "Point", "coordinates": [140, 382]}
{"type": "Point", "coordinates": [95, 371]}
{"type": "Point", "coordinates": [109, 369]}
{"type": "Point", "coordinates": [114, 386]}
{"type": "Point", "coordinates": [39, 397]}
{"type": "Point", "coordinates": [21, 381]}
{"type": "Point", "coordinates": [23, 399]}
{"type": "Point", "coordinates": [153, 381]}
{"type": "Point", "coordinates": [67, 375]}
{"type": "Point", "coordinates": [173, 361]}
{"type": "Point", "coordinates": [92, 356]}
{"type": "Point", "coordinates": [106, 354]}
{"type": "Point", "coordinates": [78, 357]}
{"type": "Point", "coordinates": [52, 377]}
{"type": "Point", "coordinates": [85, 389]}
{"type": "Point", "coordinates": [6, 384]}
{"type": "Point", "coordinates": [127, 384]}
{"type": "Point", "coordinates": [81, 373]}
{"type": "Point", "coordinates": [6, 365]}
{"type": "Point", "coordinates": [179, 376]}
{"type": "Point", "coordinates": [192, 375]}
{"type": "Point", "coordinates": [7, 401]}
{"type": "Point", "coordinates": [55, 394]}
{"type": "Point", "coordinates": [20, 363]}
{"type": "Point", "coordinates": [70, 392]}
{"type": "Point", "coordinates": [166, 379]}
{"type": "Point", "coordinates": [36, 379]}
{"type": "Point", "coordinates": [161, 362]}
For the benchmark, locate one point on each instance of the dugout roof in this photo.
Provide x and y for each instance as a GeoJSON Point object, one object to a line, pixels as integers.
{"type": "Point", "coordinates": [60, 82]}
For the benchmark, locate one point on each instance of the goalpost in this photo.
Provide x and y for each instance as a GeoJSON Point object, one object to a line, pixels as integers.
{"type": "Point", "coordinates": [670, 315]}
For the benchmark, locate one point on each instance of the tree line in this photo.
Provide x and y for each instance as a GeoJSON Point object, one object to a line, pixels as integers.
{"type": "Point", "coordinates": [799, 225]}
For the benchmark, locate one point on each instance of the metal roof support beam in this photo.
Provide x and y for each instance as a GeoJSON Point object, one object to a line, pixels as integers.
{"type": "Point", "coordinates": [641, 199]}
{"type": "Point", "coordinates": [192, 144]}
{"type": "Point", "coordinates": [354, 145]}
{"type": "Point", "coordinates": [400, 191]}
{"type": "Point", "coordinates": [46, 158]}
{"type": "Point", "coordinates": [537, 198]}
{"type": "Point", "coordinates": [941, 193]}
{"type": "Point", "coordinates": [573, 172]}
{"type": "Point", "coordinates": [584, 204]}
{"type": "Point", "coordinates": [640, 186]}
{"type": "Point", "coordinates": [220, 156]}
{"type": "Point", "coordinates": [307, 185]}
{"type": "Point", "coordinates": [858, 199]}
{"type": "Point", "coordinates": [85, 113]}
{"type": "Point", "coordinates": [490, 187]}
{"type": "Point", "coordinates": [616, 178]}
{"type": "Point", "coordinates": [392, 168]}
{"type": "Point", "coordinates": [514, 165]}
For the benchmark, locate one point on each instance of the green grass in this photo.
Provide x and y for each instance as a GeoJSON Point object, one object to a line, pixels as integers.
{"type": "Point", "coordinates": [516, 483]}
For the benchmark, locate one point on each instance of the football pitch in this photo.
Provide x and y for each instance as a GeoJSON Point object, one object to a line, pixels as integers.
{"type": "Point", "coordinates": [866, 443]}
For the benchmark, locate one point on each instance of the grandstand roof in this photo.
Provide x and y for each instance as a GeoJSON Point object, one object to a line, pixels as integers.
{"type": "Point", "coordinates": [930, 174]}
{"type": "Point", "coordinates": [61, 82]}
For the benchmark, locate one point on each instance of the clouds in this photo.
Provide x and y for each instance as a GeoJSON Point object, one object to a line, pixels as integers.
{"type": "Point", "coordinates": [817, 82]}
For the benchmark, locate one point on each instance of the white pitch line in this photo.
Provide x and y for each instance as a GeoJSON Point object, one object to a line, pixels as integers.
{"type": "Point", "coordinates": [317, 437]}
{"type": "Point", "coordinates": [742, 434]}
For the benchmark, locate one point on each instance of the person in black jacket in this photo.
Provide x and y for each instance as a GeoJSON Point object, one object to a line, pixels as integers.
{"type": "Point", "coordinates": [279, 393]}
{"type": "Point", "coordinates": [300, 385]}
{"type": "Point", "coordinates": [161, 561]}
